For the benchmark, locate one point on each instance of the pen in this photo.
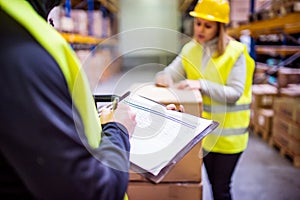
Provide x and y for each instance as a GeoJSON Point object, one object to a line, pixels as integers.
{"type": "Point", "coordinates": [114, 104]}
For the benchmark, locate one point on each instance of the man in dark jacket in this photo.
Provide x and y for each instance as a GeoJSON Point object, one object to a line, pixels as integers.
{"type": "Point", "coordinates": [42, 151]}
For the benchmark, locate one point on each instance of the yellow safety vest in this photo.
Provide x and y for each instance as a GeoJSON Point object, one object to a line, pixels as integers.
{"type": "Point", "coordinates": [66, 58]}
{"type": "Point", "coordinates": [232, 134]}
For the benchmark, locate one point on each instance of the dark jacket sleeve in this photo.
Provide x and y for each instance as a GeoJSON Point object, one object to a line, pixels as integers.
{"type": "Point", "coordinates": [40, 129]}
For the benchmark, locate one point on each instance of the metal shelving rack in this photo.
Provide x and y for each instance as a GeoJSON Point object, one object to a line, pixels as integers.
{"type": "Point", "coordinates": [89, 5]}
{"type": "Point", "coordinates": [287, 24]}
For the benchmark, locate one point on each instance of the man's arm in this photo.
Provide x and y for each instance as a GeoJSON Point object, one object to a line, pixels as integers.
{"type": "Point", "coordinates": [41, 130]}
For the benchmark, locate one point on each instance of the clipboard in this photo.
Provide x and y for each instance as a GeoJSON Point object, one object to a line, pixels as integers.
{"type": "Point", "coordinates": [143, 104]}
{"type": "Point", "coordinates": [146, 105]}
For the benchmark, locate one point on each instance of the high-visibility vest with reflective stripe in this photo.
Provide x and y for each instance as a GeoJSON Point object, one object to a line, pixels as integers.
{"type": "Point", "coordinates": [61, 51]}
{"type": "Point", "coordinates": [66, 58]}
{"type": "Point", "coordinates": [232, 134]}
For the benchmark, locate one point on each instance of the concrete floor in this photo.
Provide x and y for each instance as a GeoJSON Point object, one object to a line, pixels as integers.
{"type": "Point", "coordinates": [261, 174]}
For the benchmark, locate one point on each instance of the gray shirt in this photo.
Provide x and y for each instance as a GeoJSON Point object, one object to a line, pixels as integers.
{"type": "Point", "coordinates": [228, 93]}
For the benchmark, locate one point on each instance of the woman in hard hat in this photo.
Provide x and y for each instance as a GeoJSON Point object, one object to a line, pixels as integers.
{"type": "Point", "coordinates": [222, 70]}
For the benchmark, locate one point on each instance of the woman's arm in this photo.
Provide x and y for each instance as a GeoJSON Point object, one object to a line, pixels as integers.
{"type": "Point", "coordinates": [174, 72]}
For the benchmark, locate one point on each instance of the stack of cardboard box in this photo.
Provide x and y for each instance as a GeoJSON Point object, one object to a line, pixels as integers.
{"type": "Point", "coordinates": [262, 109]}
{"type": "Point", "coordinates": [89, 33]}
{"type": "Point", "coordinates": [184, 180]}
{"type": "Point", "coordinates": [286, 126]}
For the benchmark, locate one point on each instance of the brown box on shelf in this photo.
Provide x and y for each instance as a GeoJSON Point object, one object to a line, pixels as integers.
{"type": "Point", "coordinates": [80, 19]}
{"type": "Point", "coordinates": [261, 67]}
{"type": "Point", "coordinates": [264, 118]}
{"type": "Point", "coordinates": [239, 11]}
{"type": "Point", "coordinates": [288, 107]}
{"type": "Point", "coordinates": [263, 122]}
{"type": "Point", "coordinates": [287, 76]}
{"type": "Point", "coordinates": [260, 76]}
{"type": "Point", "coordinates": [97, 25]}
{"type": "Point", "coordinates": [292, 90]}
{"type": "Point", "coordinates": [285, 126]}
{"type": "Point", "coordinates": [186, 170]}
{"type": "Point", "coordinates": [285, 140]}
{"type": "Point", "coordinates": [263, 95]}
{"type": "Point", "coordinates": [165, 191]}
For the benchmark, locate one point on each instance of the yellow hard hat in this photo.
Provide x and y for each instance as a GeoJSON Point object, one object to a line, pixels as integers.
{"type": "Point", "coordinates": [212, 10]}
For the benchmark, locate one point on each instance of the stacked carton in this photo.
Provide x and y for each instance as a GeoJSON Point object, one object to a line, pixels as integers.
{"type": "Point", "coordinates": [286, 126]}
{"type": "Point", "coordinates": [288, 76]}
{"type": "Point", "coordinates": [239, 12]}
{"type": "Point", "coordinates": [85, 30]}
{"type": "Point", "coordinates": [81, 22]}
{"type": "Point", "coordinates": [261, 109]}
{"type": "Point", "coordinates": [260, 72]}
{"type": "Point", "coordinates": [184, 180]}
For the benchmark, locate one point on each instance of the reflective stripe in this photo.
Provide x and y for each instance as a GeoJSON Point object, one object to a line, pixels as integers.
{"type": "Point", "coordinates": [225, 108]}
{"type": "Point", "coordinates": [217, 70]}
{"type": "Point", "coordinates": [230, 131]}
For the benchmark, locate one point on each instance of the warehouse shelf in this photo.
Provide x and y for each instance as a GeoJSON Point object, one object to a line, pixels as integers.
{"type": "Point", "coordinates": [77, 38]}
{"type": "Point", "coordinates": [81, 42]}
{"type": "Point", "coordinates": [275, 50]}
{"type": "Point", "coordinates": [85, 18]}
{"type": "Point", "coordinates": [289, 24]}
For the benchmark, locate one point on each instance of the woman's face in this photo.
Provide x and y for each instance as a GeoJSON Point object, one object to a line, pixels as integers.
{"type": "Point", "coordinates": [204, 30]}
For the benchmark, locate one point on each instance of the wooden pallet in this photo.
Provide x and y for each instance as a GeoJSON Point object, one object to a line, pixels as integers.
{"type": "Point", "coordinates": [284, 152]}
{"type": "Point", "coordinates": [264, 134]}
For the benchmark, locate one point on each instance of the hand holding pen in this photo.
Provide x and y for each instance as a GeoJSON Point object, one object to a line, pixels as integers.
{"type": "Point", "coordinates": [120, 113]}
{"type": "Point", "coordinates": [113, 106]}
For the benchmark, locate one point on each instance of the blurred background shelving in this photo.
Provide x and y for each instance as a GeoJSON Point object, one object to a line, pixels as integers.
{"type": "Point", "coordinates": [274, 27]}
{"type": "Point", "coordinates": [87, 25]}
{"type": "Point", "coordinates": [286, 24]}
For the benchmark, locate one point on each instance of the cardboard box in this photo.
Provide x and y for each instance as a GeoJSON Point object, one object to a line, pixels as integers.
{"type": "Point", "coordinates": [240, 10]}
{"type": "Point", "coordinates": [260, 71]}
{"type": "Point", "coordinates": [263, 95]}
{"type": "Point", "coordinates": [186, 170]}
{"type": "Point", "coordinates": [288, 107]}
{"type": "Point", "coordinates": [263, 123]}
{"type": "Point", "coordinates": [287, 76]}
{"type": "Point", "coordinates": [283, 125]}
{"type": "Point", "coordinates": [264, 119]}
{"type": "Point", "coordinates": [167, 191]}
{"type": "Point", "coordinates": [190, 99]}
{"type": "Point", "coordinates": [292, 90]}
{"type": "Point", "coordinates": [285, 140]}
